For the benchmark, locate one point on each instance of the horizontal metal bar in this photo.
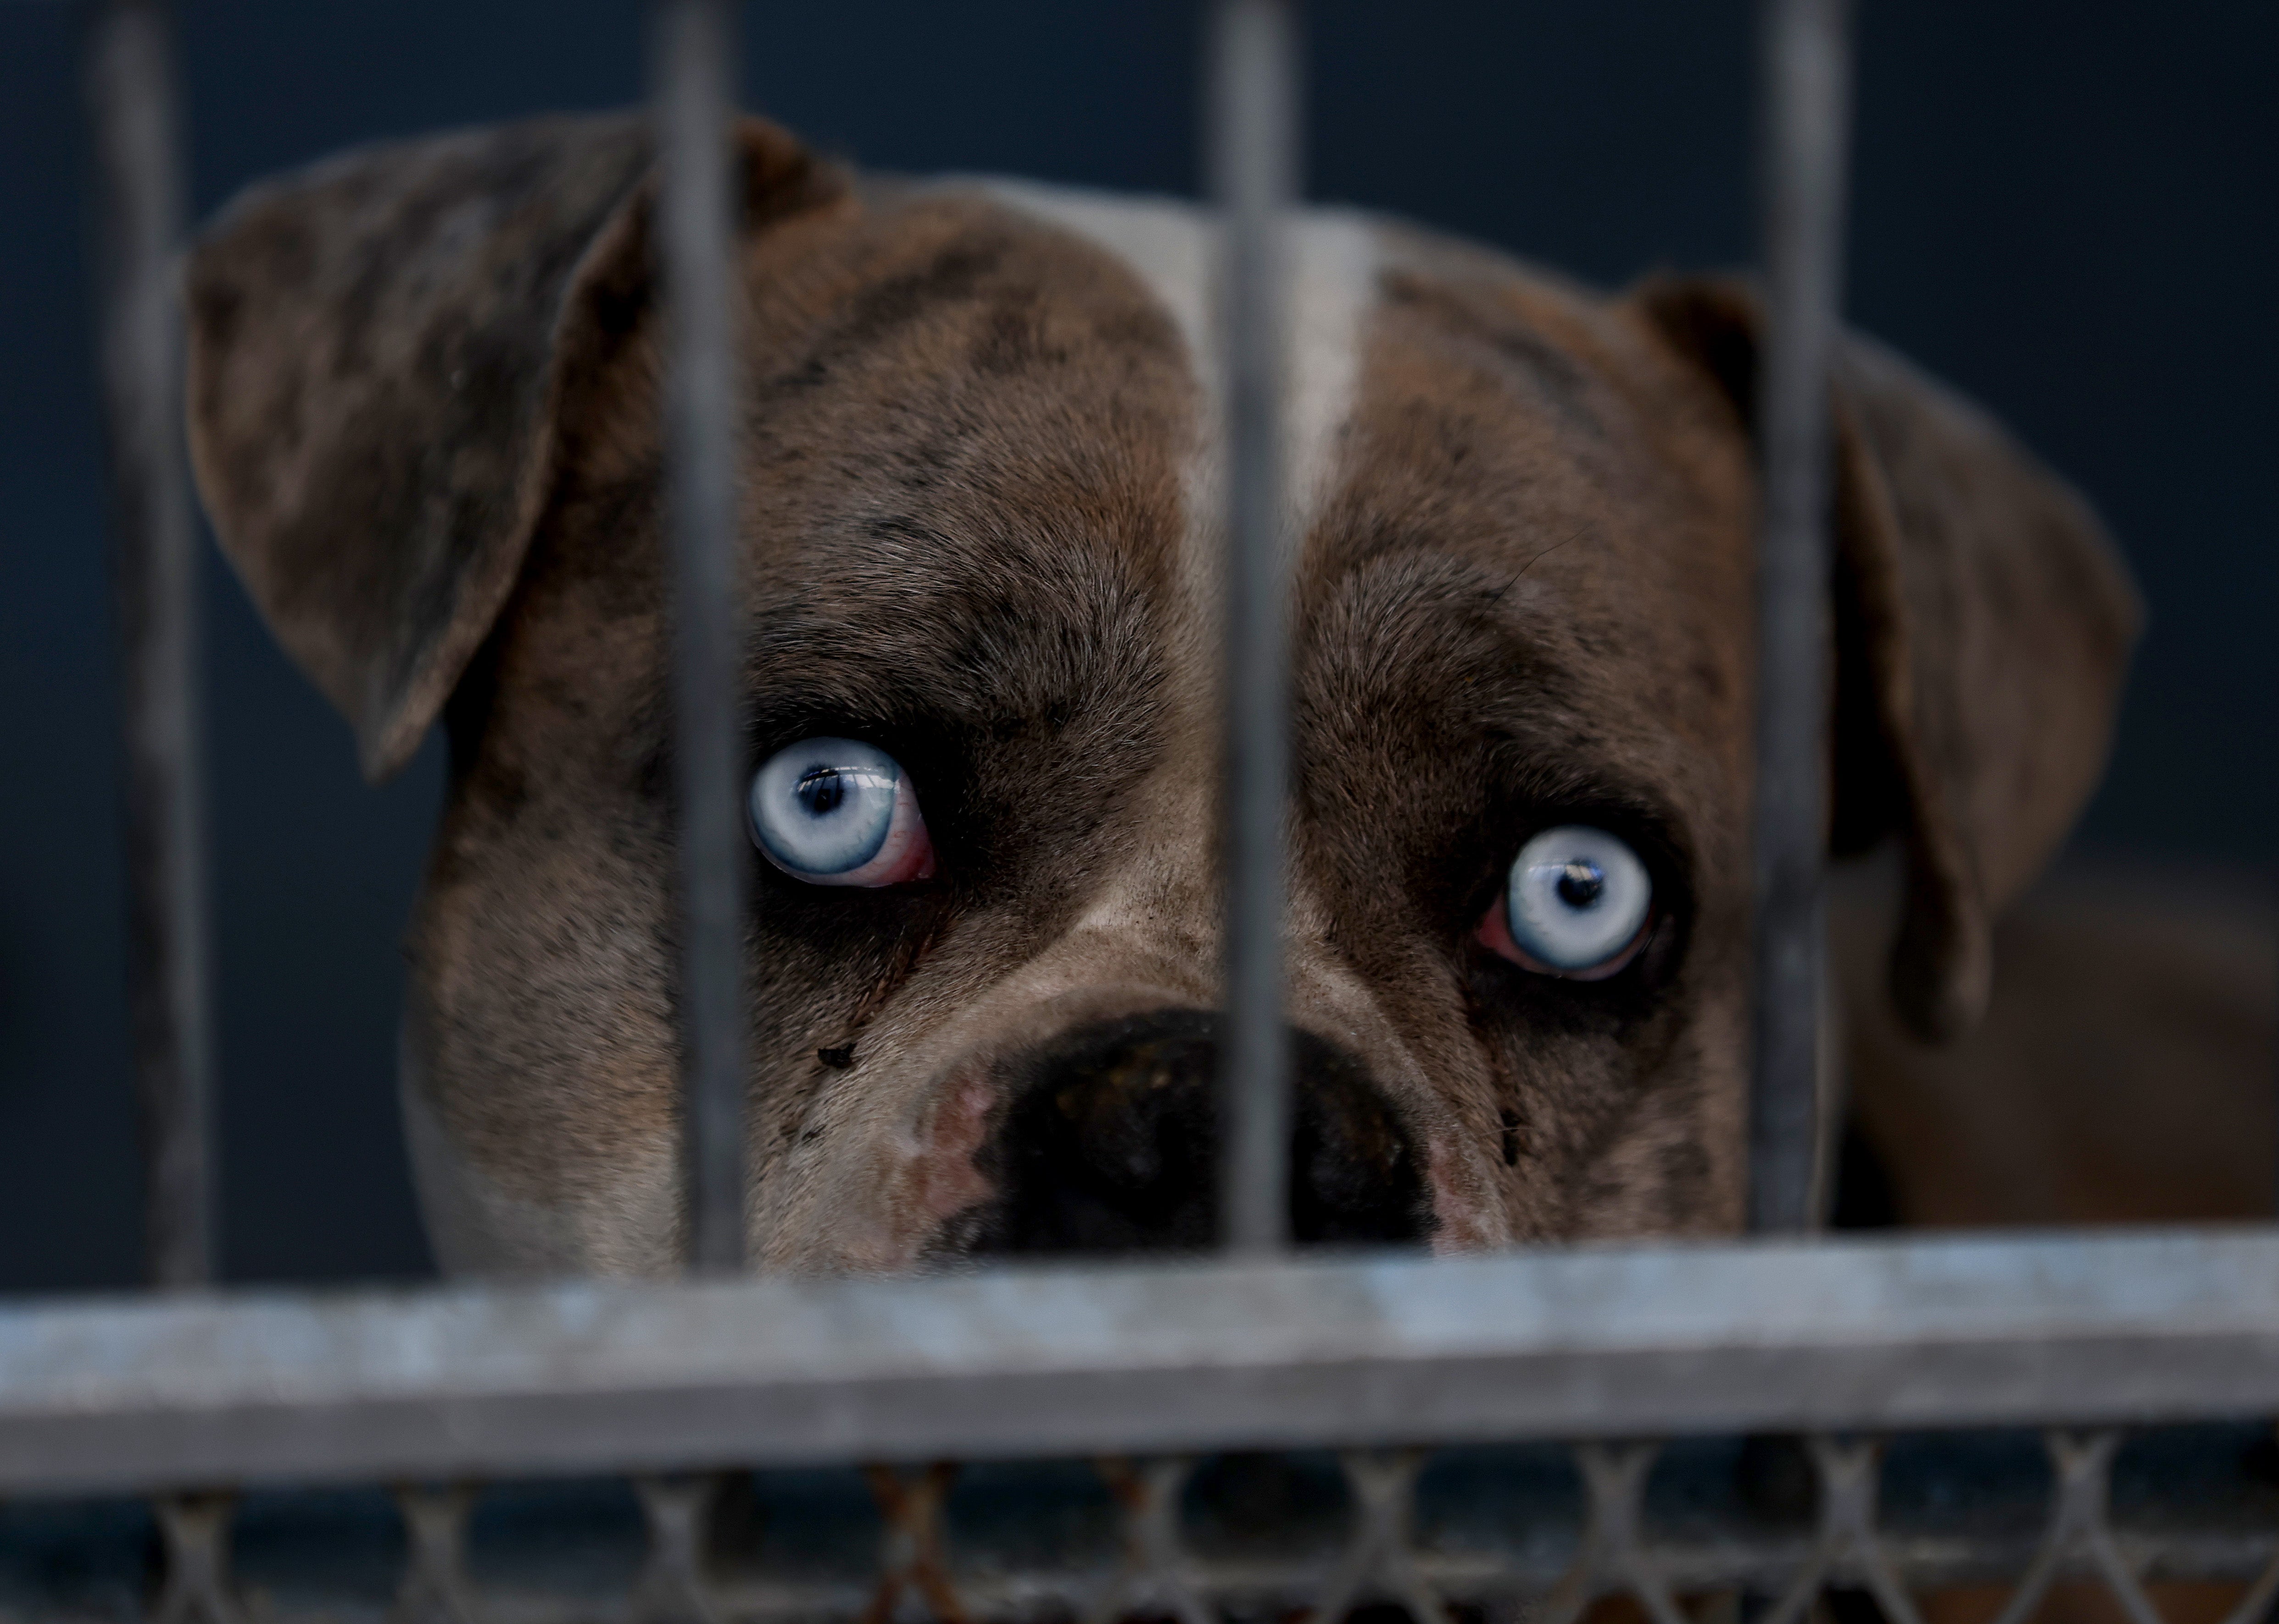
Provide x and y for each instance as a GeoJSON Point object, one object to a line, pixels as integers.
{"type": "Point", "coordinates": [1595, 1342]}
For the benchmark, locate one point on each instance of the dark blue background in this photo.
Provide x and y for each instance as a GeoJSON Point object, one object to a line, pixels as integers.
{"type": "Point", "coordinates": [2064, 207]}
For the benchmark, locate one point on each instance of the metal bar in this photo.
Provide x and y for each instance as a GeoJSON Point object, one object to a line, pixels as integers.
{"type": "Point", "coordinates": [2145, 1327]}
{"type": "Point", "coordinates": [1807, 70]}
{"type": "Point", "coordinates": [135, 111]}
{"type": "Point", "coordinates": [693, 48]}
{"type": "Point", "coordinates": [1253, 159]}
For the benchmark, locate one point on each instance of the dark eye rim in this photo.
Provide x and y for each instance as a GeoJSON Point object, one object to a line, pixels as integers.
{"type": "Point", "coordinates": [774, 868]}
{"type": "Point", "coordinates": [1658, 949]}
{"type": "Point", "coordinates": [937, 750]}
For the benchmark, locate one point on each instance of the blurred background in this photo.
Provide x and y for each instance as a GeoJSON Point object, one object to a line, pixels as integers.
{"type": "Point", "coordinates": [2064, 207]}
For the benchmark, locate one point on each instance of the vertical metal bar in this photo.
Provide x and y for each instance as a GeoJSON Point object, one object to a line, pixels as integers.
{"type": "Point", "coordinates": [1253, 159]}
{"type": "Point", "coordinates": [693, 50]}
{"type": "Point", "coordinates": [1807, 91]}
{"type": "Point", "coordinates": [134, 112]}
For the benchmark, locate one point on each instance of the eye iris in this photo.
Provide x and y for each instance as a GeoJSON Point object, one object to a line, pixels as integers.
{"type": "Point", "coordinates": [1581, 883]}
{"type": "Point", "coordinates": [825, 807]}
{"type": "Point", "coordinates": [1576, 899]}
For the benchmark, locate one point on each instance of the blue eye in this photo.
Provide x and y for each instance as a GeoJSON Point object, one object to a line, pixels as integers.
{"type": "Point", "coordinates": [839, 812]}
{"type": "Point", "coordinates": [1577, 901]}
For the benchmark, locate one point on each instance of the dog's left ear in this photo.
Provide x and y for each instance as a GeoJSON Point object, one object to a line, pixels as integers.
{"type": "Point", "coordinates": [380, 349]}
{"type": "Point", "coordinates": [1983, 621]}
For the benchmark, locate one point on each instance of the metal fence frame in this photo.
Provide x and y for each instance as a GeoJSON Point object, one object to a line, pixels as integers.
{"type": "Point", "coordinates": [1255, 1350]}
{"type": "Point", "coordinates": [1150, 1359]}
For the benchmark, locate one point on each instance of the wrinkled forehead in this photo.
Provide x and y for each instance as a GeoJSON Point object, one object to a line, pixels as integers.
{"type": "Point", "coordinates": [971, 435]}
{"type": "Point", "coordinates": [1002, 410]}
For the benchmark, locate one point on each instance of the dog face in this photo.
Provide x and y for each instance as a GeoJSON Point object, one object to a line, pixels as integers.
{"type": "Point", "coordinates": [981, 529]}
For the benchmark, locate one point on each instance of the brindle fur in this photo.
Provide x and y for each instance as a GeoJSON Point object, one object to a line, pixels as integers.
{"type": "Point", "coordinates": [977, 510]}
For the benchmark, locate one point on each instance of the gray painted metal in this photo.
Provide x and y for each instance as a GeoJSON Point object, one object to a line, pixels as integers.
{"type": "Point", "coordinates": [1254, 157]}
{"type": "Point", "coordinates": [1807, 73]}
{"type": "Point", "coordinates": [1573, 1344]}
{"type": "Point", "coordinates": [134, 113]}
{"type": "Point", "coordinates": [692, 51]}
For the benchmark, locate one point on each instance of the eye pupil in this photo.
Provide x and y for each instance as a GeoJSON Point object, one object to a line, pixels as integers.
{"type": "Point", "coordinates": [820, 793]}
{"type": "Point", "coordinates": [1581, 883]}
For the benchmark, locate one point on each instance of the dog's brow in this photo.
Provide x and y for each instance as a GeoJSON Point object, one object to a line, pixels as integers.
{"type": "Point", "coordinates": [1425, 651]}
{"type": "Point", "coordinates": [950, 650]}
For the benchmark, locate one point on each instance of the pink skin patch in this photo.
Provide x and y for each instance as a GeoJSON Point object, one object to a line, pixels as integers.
{"type": "Point", "coordinates": [929, 1178]}
{"type": "Point", "coordinates": [943, 1179]}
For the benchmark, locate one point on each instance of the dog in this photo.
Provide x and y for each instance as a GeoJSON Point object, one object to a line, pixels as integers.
{"type": "Point", "coordinates": [979, 512]}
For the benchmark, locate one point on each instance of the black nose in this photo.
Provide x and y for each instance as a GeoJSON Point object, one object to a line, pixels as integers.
{"type": "Point", "coordinates": [1110, 1142]}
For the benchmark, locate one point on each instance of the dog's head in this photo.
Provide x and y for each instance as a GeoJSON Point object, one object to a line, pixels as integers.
{"type": "Point", "coordinates": [980, 523]}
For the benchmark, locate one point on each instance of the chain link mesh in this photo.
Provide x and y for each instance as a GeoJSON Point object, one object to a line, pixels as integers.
{"type": "Point", "coordinates": [1682, 1533]}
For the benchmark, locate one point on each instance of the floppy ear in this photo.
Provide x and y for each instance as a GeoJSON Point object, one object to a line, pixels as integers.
{"type": "Point", "coordinates": [380, 349]}
{"type": "Point", "coordinates": [1983, 620]}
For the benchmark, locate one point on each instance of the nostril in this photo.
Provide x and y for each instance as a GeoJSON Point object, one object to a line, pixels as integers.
{"type": "Point", "coordinates": [1110, 1146]}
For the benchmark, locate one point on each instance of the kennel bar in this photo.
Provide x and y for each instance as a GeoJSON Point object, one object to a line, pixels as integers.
{"type": "Point", "coordinates": [1255, 96]}
{"type": "Point", "coordinates": [1379, 1350]}
{"type": "Point", "coordinates": [692, 49]}
{"type": "Point", "coordinates": [1804, 116]}
{"type": "Point", "coordinates": [135, 123]}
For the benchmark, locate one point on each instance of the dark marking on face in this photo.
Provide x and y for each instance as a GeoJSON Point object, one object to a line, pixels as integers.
{"type": "Point", "coordinates": [1514, 1136]}
{"type": "Point", "coordinates": [1488, 329]}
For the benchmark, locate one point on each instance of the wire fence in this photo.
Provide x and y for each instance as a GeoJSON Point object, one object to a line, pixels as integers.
{"type": "Point", "coordinates": [1476, 1532]}
{"type": "Point", "coordinates": [1476, 1436]}
{"type": "Point", "coordinates": [1879, 1352]}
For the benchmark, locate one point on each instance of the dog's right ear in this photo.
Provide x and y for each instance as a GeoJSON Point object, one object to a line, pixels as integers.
{"type": "Point", "coordinates": [378, 351]}
{"type": "Point", "coordinates": [1982, 624]}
